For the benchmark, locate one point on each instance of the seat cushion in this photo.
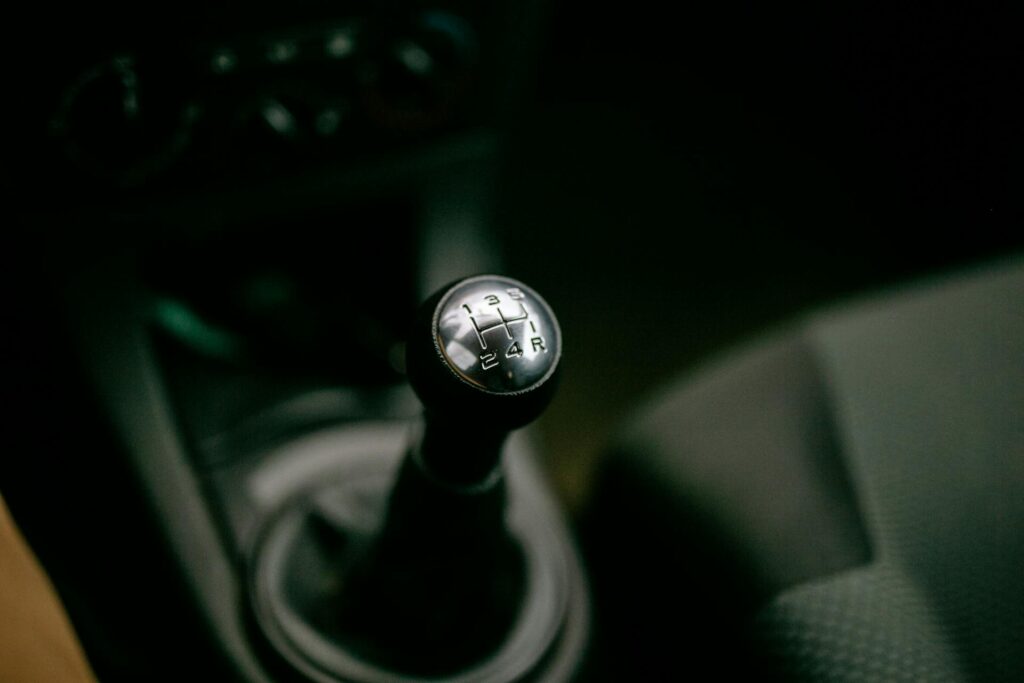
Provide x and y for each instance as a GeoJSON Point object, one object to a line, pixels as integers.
{"type": "Point", "coordinates": [863, 473]}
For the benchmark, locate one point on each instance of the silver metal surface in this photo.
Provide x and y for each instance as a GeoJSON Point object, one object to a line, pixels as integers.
{"type": "Point", "coordinates": [497, 334]}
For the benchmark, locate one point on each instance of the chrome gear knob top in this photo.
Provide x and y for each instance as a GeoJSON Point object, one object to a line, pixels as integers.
{"type": "Point", "coordinates": [496, 334]}
{"type": "Point", "coordinates": [483, 358]}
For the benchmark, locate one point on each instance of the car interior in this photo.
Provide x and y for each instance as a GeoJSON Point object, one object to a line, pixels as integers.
{"type": "Point", "coordinates": [434, 340]}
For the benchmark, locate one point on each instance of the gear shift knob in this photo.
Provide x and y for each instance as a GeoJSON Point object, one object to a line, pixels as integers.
{"type": "Point", "coordinates": [483, 358]}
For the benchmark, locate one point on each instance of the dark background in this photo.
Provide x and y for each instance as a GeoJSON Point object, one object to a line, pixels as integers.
{"type": "Point", "coordinates": [687, 175]}
{"type": "Point", "coordinates": [674, 179]}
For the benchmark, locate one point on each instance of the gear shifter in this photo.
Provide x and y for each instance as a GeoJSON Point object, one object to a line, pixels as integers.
{"type": "Point", "coordinates": [483, 359]}
{"type": "Point", "coordinates": [463, 570]}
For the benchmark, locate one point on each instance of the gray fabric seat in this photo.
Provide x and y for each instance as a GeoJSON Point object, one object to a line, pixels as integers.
{"type": "Point", "coordinates": [867, 468]}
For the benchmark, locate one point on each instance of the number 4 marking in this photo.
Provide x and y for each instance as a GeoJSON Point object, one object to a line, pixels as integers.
{"type": "Point", "coordinates": [514, 350]}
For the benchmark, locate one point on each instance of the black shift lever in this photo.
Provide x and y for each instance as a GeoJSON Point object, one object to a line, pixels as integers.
{"type": "Point", "coordinates": [465, 573]}
{"type": "Point", "coordinates": [483, 358]}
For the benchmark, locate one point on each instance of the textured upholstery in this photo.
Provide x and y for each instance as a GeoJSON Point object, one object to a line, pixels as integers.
{"type": "Point", "coordinates": [865, 470]}
{"type": "Point", "coordinates": [928, 392]}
